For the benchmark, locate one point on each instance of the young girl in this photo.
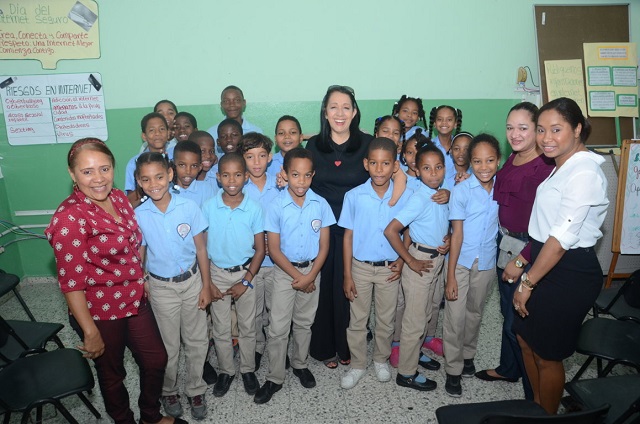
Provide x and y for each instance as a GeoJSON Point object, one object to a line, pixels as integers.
{"type": "Point", "coordinates": [460, 156]}
{"type": "Point", "coordinates": [169, 110]}
{"type": "Point", "coordinates": [391, 127]}
{"type": "Point", "coordinates": [179, 282]}
{"type": "Point", "coordinates": [447, 121]}
{"type": "Point", "coordinates": [410, 110]}
{"type": "Point", "coordinates": [408, 157]}
{"type": "Point", "coordinates": [288, 136]}
{"type": "Point", "coordinates": [472, 260]}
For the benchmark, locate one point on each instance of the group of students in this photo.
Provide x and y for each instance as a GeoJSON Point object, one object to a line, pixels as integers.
{"type": "Point", "coordinates": [259, 263]}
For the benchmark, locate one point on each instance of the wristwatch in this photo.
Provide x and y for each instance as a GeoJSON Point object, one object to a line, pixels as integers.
{"type": "Point", "coordinates": [524, 280]}
{"type": "Point", "coordinates": [519, 263]}
{"type": "Point", "coordinates": [246, 283]}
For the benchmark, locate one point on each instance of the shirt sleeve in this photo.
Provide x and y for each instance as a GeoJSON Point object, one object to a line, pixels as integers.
{"type": "Point", "coordinates": [328, 218]}
{"type": "Point", "coordinates": [410, 211]}
{"type": "Point", "coordinates": [458, 202]}
{"type": "Point", "coordinates": [199, 222]}
{"type": "Point", "coordinates": [272, 219]}
{"type": "Point", "coordinates": [348, 212]}
{"type": "Point", "coordinates": [68, 237]}
{"type": "Point", "coordinates": [258, 219]}
{"type": "Point", "coordinates": [129, 179]}
{"type": "Point", "coordinates": [579, 194]}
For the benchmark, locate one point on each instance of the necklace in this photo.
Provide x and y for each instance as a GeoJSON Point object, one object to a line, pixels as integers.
{"type": "Point", "coordinates": [338, 153]}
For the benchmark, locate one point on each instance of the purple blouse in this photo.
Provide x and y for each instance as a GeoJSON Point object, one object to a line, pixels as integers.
{"type": "Point", "coordinates": [515, 190]}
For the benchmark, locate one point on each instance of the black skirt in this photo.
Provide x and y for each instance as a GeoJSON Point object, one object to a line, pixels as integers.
{"type": "Point", "coordinates": [558, 305]}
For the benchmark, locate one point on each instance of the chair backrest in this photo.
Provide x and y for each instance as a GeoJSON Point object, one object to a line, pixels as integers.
{"type": "Point", "coordinates": [632, 289]}
{"type": "Point", "coordinates": [592, 416]}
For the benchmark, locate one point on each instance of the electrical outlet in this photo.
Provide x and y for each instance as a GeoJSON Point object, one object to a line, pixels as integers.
{"type": "Point", "coordinates": [1, 250]}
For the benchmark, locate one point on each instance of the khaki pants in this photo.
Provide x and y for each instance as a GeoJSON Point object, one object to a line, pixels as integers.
{"type": "Point", "coordinates": [418, 292]}
{"type": "Point", "coordinates": [462, 316]}
{"type": "Point", "coordinates": [438, 292]}
{"type": "Point", "coordinates": [175, 306]}
{"type": "Point", "coordinates": [370, 280]}
{"type": "Point", "coordinates": [221, 318]}
{"type": "Point", "coordinates": [289, 305]}
{"type": "Point", "coordinates": [260, 283]}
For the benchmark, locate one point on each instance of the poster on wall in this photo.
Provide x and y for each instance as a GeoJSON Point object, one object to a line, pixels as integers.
{"type": "Point", "coordinates": [46, 109]}
{"type": "Point", "coordinates": [565, 79]}
{"type": "Point", "coordinates": [611, 73]}
{"type": "Point", "coordinates": [49, 31]}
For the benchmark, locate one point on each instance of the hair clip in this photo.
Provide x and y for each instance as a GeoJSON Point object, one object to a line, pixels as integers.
{"type": "Point", "coordinates": [144, 198]}
{"type": "Point", "coordinates": [176, 187]}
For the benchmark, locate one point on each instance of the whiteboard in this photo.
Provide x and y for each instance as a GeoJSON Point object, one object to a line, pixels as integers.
{"type": "Point", "coordinates": [630, 236]}
{"type": "Point", "coordinates": [46, 109]}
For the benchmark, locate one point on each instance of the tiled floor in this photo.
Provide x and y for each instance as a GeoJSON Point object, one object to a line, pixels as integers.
{"type": "Point", "coordinates": [369, 402]}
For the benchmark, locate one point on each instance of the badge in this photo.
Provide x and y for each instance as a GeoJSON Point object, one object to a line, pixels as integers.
{"type": "Point", "coordinates": [183, 230]}
{"type": "Point", "coordinates": [316, 224]}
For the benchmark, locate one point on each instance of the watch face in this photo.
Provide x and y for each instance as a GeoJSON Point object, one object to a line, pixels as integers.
{"type": "Point", "coordinates": [519, 263]}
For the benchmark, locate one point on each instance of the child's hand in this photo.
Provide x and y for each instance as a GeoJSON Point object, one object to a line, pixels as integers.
{"type": "Point", "coordinates": [204, 300]}
{"type": "Point", "coordinates": [216, 294]}
{"type": "Point", "coordinates": [451, 288]}
{"type": "Point", "coordinates": [461, 176]}
{"type": "Point", "coordinates": [420, 266]}
{"type": "Point", "coordinates": [236, 290]}
{"type": "Point", "coordinates": [305, 283]}
{"type": "Point", "coordinates": [281, 179]}
{"type": "Point", "coordinates": [396, 269]}
{"type": "Point", "coordinates": [444, 248]}
{"type": "Point", "coordinates": [146, 288]}
{"type": "Point", "coordinates": [349, 288]}
{"type": "Point", "coordinates": [441, 196]}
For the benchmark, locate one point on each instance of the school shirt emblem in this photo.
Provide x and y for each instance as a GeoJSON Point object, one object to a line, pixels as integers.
{"type": "Point", "coordinates": [183, 230]}
{"type": "Point", "coordinates": [316, 224]}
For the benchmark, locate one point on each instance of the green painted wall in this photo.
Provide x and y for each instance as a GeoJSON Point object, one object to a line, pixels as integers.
{"type": "Point", "coordinates": [283, 55]}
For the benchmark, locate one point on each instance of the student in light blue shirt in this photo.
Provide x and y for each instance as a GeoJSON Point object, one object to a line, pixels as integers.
{"type": "Point", "coordinates": [447, 121]}
{"type": "Point", "coordinates": [297, 225]}
{"type": "Point", "coordinates": [261, 187]}
{"type": "Point", "coordinates": [288, 136]}
{"type": "Point", "coordinates": [236, 248]}
{"type": "Point", "coordinates": [472, 261]}
{"type": "Point", "coordinates": [187, 161]}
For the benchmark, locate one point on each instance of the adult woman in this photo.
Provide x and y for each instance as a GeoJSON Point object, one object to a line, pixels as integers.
{"type": "Point", "coordinates": [95, 239]}
{"type": "Point", "coordinates": [515, 191]}
{"type": "Point", "coordinates": [338, 153]}
{"type": "Point", "coordinates": [553, 298]}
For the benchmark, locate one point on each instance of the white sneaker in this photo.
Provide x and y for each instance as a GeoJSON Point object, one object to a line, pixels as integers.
{"type": "Point", "coordinates": [383, 373]}
{"type": "Point", "coordinates": [351, 378]}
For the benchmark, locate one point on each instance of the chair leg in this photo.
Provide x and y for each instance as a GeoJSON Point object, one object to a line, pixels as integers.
{"type": "Point", "coordinates": [89, 405]}
{"type": "Point", "coordinates": [39, 414]}
{"type": "Point", "coordinates": [24, 305]}
{"type": "Point", "coordinates": [7, 417]}
{"type": "Point", "coordinates": [60, 407]}
{"type": "Point", "coordinates": [57, 341]}
{"type": "Point", "coordinates": [599, 366]}
{"type": "Point", "coordinates": [583, 368]}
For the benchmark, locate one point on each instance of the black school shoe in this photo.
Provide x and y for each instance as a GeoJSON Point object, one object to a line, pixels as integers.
{"type": "Point", "coordinates": [209, 374]}
{"type": "Point", "coordinates": [453, 386]}
{"type": "Point", "coordinates": [431, 365]}
{"type": "Point", "coordinates": [411, 383]}
{"type": "Point", "coordinates": [250, 382]}
{"type": "Point", "coordinates": [222, 385]}
{"type": "Point", "coordinates": [306, 378]}
{"type": "Point", "coordinates": [258, 358]}
{"type": "Point", "coordinates": [469, 368]}
{"type": "Point", "coordinates": [264, 393]}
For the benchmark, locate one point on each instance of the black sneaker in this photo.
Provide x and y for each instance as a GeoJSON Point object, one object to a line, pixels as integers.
{"type": "Point", "coordinates": [453, 386]}
{"type": "Point", "coordinates": [469, 369]}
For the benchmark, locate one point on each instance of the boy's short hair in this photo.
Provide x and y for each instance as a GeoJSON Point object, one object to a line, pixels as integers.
{"type": "Point", "coordinates": [149, 116]}
{"type": "Point", "coordinates": [192, 119]}
{"type": "Point", "coordinates": [232, 157]}
{"type": "Point", "coordinates": [254, 140]}
{"type": "Point", "coordinates": [187, 146]}
{"type": "Point", "coordinates": [297, 153]}
{"type": "Point", "coordinates": [232, 87]}
{"type": "Point", "coordinates": [231, 122]}
{"type": "Point", "coordinates": [289, 118]}
{"type": "Point", "coordinates": [383, 143]}
{"type": "Point", "coordinates": [199, 134]}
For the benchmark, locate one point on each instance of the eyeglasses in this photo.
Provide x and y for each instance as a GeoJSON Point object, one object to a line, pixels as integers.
{"type": "Point", "coordinates": [342, 87]}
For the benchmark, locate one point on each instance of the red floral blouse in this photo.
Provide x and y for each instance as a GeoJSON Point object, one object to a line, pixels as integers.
{"type": "Point", "coordinates": [98, 255]}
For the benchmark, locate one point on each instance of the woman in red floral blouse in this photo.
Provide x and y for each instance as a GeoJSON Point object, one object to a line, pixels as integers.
{"type": "Point", "coordinates": [95, 239]}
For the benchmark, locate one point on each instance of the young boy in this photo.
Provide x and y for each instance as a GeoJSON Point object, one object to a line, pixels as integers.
{"type": "Point", "coordinates": [298, 233]}
{"type": "Point", "coordinates": [229, 135]}
{"type": "Point", "coordinates": [233, 104]}
{"type": "Point", "coordinates": [187, 160]}
{"type": "Point", "coordinates": [428, 224]}
{"type": "Point", "coordinates": [154, 132]}
{"type": "Point", "coordinates": [236, 250]}
{"type": "Point", "coordinates": [261, 187]}
{"type": "Point", "coordinates": [370, 263]}
{"type": "Point", "coordinates": [288, 137]}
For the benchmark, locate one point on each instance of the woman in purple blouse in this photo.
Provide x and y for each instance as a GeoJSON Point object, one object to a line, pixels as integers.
{"type": "Point", "coordinates": [515, 191]}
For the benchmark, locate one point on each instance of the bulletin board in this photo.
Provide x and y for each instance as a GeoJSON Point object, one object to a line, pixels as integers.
{"type": "Point", "coordinates": [560, 38]}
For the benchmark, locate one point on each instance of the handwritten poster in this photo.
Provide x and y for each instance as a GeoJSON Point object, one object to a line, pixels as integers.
{"type": "Point", "coordinates": [611, 71]}
{"type": "Point", "coordinates": [49, 31]}
{"type": "Point", "coordinates": [630, 236]}
{"type": "Point", "coordinates": [60, 108]}
{"type": "Point", "coordinates": [565, 79]}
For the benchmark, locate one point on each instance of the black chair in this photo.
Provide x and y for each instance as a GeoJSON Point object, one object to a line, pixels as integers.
{"type": "Point", "coordinates": [616, 341]}
{"type": "Point", "coordinates": [621, 392]}
{"type": "Point", "coordinates": [20, 338]}
{"type": "Point", "coordinates": [8, 283]}
{"type": "Point", "coordinates": [33, 381]}
{"type": "Point", "coordinates": [612, 301]}
{"type": "Point", "coordinates": [513, 412]}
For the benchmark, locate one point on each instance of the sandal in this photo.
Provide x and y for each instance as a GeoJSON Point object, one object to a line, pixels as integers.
{"type": "Point", "coordinates": [345, 362]}
{"type": "Point", "coordinates": [331, 363]}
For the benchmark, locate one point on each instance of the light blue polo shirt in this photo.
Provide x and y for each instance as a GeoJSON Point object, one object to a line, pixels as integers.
{"type": "Point", "coordinates": [276, 164]}
{"type": "Point", "coordinates": [364, 212]}
{"type": "Point", "coordinates": [413, 183]}
{"type": "Point", "coordinates": [450, 181]}
{"type": "Point", "coordinates": [246, 128]}
{"type": "Point", "coordinates": [230, 241]}
{"type": "Point", "coordinates": [427, 220]}
{"type": "Point", "coordinates": [198, 191]}
{"type": "Point", "coordinates": [299, 227]}
{"type": "Point", "coordinates": [269, 192]}
{"type": "Point", "coordinates": [471, 203]}
{"type": "Point", "coordinates": [411, 131]}
{"type": "Point", "coordinates": [450, 169]}
{"type": "Point", "coordinates": [169, 236]}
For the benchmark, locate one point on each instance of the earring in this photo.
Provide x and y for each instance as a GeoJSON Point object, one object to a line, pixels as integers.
{"type": "Point", "coordinates": [75, 185]}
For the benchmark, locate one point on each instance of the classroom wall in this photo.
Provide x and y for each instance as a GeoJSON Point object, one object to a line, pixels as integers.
{"type": "Point", "coordinates": [462, 52]}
